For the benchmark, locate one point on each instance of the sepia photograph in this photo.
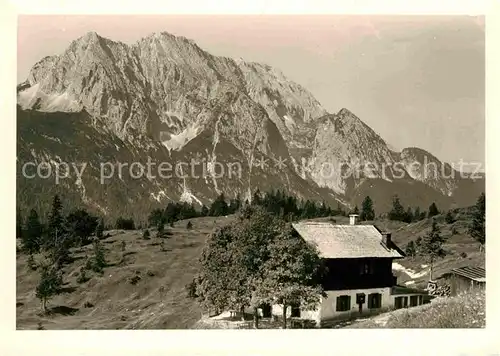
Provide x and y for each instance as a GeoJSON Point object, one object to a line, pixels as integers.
{"type": "Point", "coordinates": [250, 172]}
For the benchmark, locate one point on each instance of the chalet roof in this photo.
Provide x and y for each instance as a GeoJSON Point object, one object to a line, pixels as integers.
{"type": "Point", "coordinates": [346, 241]}
{"type": "Point", "coordinates": [397, 290]}
{"type": "Point", "coordinates": [475, 273]}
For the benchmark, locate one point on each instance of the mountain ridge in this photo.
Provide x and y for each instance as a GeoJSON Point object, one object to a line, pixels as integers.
{"type": "Point", "coordinates": [166, 89]}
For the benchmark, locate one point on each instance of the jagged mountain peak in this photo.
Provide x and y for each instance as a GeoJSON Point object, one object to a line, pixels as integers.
{"type": "Point", "coordinates": [346, 116]}
{"type": "Point", "coordinates": [91, 36]}
{"type": "Point", "coordinates": [416, 151]}
{"type": "Point", "coordinates": [166, 88]}
{"type": "Point", "coordinates": [347, 123]}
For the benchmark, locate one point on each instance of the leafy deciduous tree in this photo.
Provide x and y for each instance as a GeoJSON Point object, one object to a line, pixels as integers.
{"type": "Point", "coordinates": [236, 264]}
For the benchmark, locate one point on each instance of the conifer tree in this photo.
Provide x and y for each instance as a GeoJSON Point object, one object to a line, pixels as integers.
{"type": "Point", "coordinates": [432, 245]}
{"type": "Point", "coordinates": [478, 225]}
{"type": "Point", "coordinates": [204, 210]}
{"type": "Point", "coordinates": [356, 210]}
{"type": "Point", "coordinates": [99, 231]}
{"type": "Point", "coordinates": [417, 215]}
{"type": "Point", "coordinates": [234, 204]}
{"type": "Point", "coordinates": [367, 212]}
{"type": "Point", "coordinates": [397, 212]}
{"type": "Point", "coordinates": [19, 224]}
{"type": "Point", "coordinates": [32, 237]}
{"type": "Point", "coordinates": [160, 229]}
{"type": "Point", "coordinates": [49, 285]}
{"type": "Point", "coordinates": [219, 206]}
{"type": "Point", "coordinates": [155, 216]}
{"type": "Point", "coordinates": [55, 228]}
{"type": "Point", "coordinates": [408, 216]}
{"type": "Point", "coordinates": [257, 198]}
{"type": "Point", "coordinates": [433, 210]}
{"type": "Point", "coordinates": [99, 260]}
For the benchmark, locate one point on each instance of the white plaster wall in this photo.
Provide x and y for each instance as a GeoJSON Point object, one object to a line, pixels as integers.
{"type": "Point", "coordinates": [304, 314]}
{"type": "Point", "coordinates": [329, 304]}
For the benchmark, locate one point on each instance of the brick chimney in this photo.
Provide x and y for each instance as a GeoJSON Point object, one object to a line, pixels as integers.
{"type": "Point", "coordinates": [386, 238]}
{"type": "Point", "coordinates": [352, 219]}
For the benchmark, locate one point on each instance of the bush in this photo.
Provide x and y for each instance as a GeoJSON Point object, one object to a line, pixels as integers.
{"type": "Point", "coordinates": [88, 264]}
{"type": "Point", "coordinates": [454, 230]}
{"type": "Point", "coordinates": [145, 235]}
{"type": "Point", "coordinates": [160, 229]}
{"type": "Point", "coordinates": [31, 263]}
{"type": "Point", "coordinates": [463, 255]}
{"type": "Point", "coordinates": [134, 280]}
{"type": "Point", "coordinates": [189, 225]}
{"type": "Point", "coordinates": [410, 249]}
{"type": "Point", "coordinates": [82, 276]}
{"type": "Point", "coordinates": [82, 225]}
{"type": "Point", "coordinates": [125, 224]}
{"type": "Point", "coordinates": [191, 290]}
{"type": "Point", "coordinates": [449, 218]}
{"type": "Point", "coordinates": [88, 305]}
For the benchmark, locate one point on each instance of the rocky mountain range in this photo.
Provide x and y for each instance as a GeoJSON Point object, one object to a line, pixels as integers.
{"type": "Point", "coordinates": [164, 100]}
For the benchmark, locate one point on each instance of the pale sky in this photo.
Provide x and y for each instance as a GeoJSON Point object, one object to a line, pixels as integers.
{"type": "Point", "coordinates": [417, 81]}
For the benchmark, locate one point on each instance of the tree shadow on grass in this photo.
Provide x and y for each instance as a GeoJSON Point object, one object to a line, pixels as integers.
{"type": "Point", "coordinates": [67, 289]}
{"type": "Point", "coordinates": [72, 259]}
{"type": "Point", "coordinates": [63, 310]}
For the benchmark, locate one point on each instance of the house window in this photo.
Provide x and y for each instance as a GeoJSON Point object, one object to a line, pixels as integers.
{"type": "Point", "coordinates": [374, 300]}
{"type": "Point", "coordinates": [398, 302]}
{"type": "Point", "coordinates": [343, 303]}
{"type": "Point", "coordinates": [405, 302]}
{"type": "Point", "coordinates": [295, 311]}
{"type": "Point", "coordinates": [366, 268]}
{"type": "Point", "coordinates": [420, 299]}
{"type": "Point", "coordinates": [413, 300]}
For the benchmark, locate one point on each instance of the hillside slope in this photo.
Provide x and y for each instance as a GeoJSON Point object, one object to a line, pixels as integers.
{"type": "Point", "coordinates": [118, 304]}
{"type": "Point", "coordinates": [115, 303]}
{"type": "Point", "coordinates": [467, 310]}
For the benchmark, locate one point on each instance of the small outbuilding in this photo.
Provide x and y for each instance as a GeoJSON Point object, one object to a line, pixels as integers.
{"type": "Point", "coordinates": [464, 279]}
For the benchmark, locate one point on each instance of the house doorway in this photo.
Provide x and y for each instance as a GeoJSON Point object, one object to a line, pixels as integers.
{"type": "Point", "coordinates": [360, 300]}
{"type": "Point", "coordinates": [266, 310]}
{"type": "Point", "coordinates": [295, 312]}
